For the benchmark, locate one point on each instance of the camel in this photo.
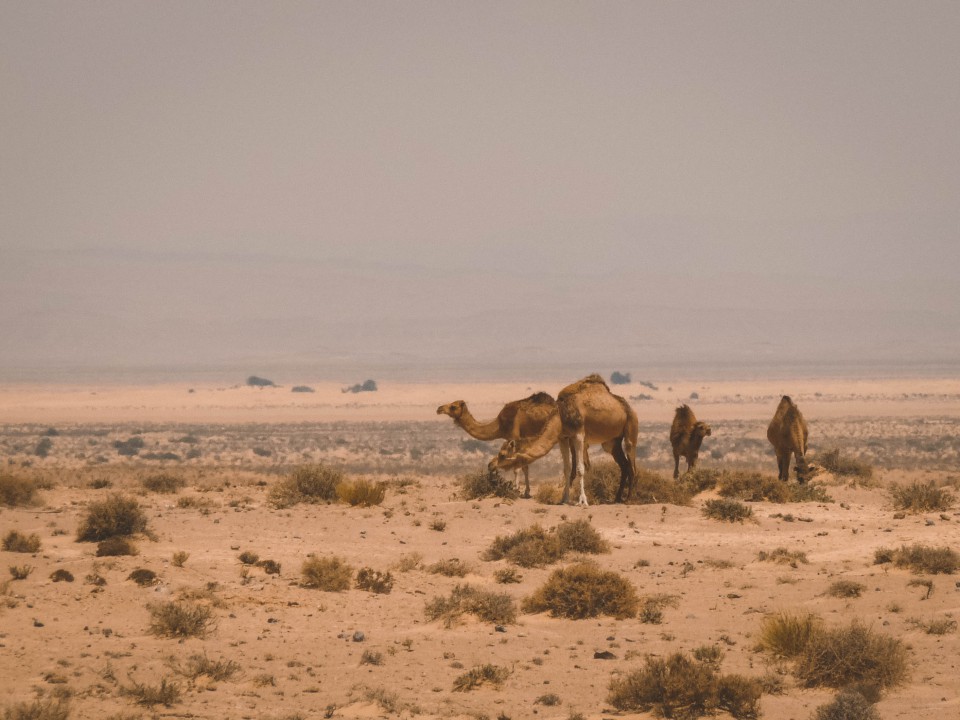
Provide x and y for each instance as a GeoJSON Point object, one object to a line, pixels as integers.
{"type": "Point", "coordinates": [787, 433]}
{"type": "Point", "coordinates": [517, 419]}
{"type": "Point", "coordinates": [686, 436]}
{"type": "Point", "coordinates": [587, 412]}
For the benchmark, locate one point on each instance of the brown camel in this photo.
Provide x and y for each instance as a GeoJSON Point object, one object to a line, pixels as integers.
{"type": "Point", "coordinates": [517, 419]}
{"type": "Point", "coordinates": [686, 436]}
{"type": "Point", "coordinates": [787, 433]}
{"type": "Point", "coordinates": [587, 412]}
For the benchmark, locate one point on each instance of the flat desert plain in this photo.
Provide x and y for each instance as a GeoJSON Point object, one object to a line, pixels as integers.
{"type": "Point", "coordinates": [207, 466]}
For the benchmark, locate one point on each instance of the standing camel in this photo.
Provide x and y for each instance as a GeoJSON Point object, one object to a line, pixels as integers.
{"type": "Point", "coordinates": [686, 437]}
{"type": "Point", "coordinates": [587, 412]}
{"type": "Point", "coordinates": [787, 433]}
{"type": "Point", "coordinates": [517, 419]}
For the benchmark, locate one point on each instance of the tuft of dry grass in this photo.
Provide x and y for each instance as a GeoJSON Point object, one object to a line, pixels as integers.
{"type": "Point", "coordinates": [361, 493]}
{"type": "Point", "coordinates": [536, 547]}
{"type": "Point", "coordinates": [492, 607]}
{"type": "Point", "coordinates": [198, 665]}
{"type": "Point", "coordinates": [374, 581]}
{"type": "Point", "coordinates": [179, 558]}
{"type": "Point", "coordinates": [163, 483]}
{"type": "Point", "coordinates": [409, 562]}
{"type": "Point", "coordinates": [652, 606]}
{"type": "Point", "coordinates": [920, 559]}
{"type": "Point", "coordinates": [842, 466]}
{"type": "Point", "coordinates": [918, 497]}
{"type": "Point", "coordinates": [847, 705]}
{"type": "Point", "coordinates": [143, 577]}
{"type": "Point", "coordinates": [783, 556]}
{"type": "Point", "coordinates": [38, 710]}
{"type": "Point", "coordinates": [180, 619]}
{"type": "Point", "coordinates": [938, 626]}
{"type": "Point", "coordinates": [786, 634]}
{"type": "Point", "coordinates": [507, 576]}
{"type": "Point", "coordinates": [306, 484]}
{"type": "Point", "coordinates": [20, 572]}
{"type": "Point", "coordinates": [18, 542]}
{"type": "Point", "coordinates": [846, 589]}
{"type": "Point", "coordinates": [451, 567]}
{"type": "Point", "coordinates": [548, 494]}
{"type": "Point", "coordinates": [757, 487]}
{"type": "Point", "coordinates": [328, 574]}
{"type": "Point", "coordinates": [487, 483]}
{"type": "Point", "coordinates": [166, 693]}
{"type": "Point", "coordinates": [116, 546]}
{"type": "Point", "coordinates": [726, 510]}
{"type": "Point", "coordinates": [481, 675]}
{"type": "Point", "coordinates": [582, 591]}
{"type": "Point", "coordinates": [115, 515]}
{"type": "Point", "coordinates": [16, 491]}
{"type": "Point", "coordinates": [602, 481]}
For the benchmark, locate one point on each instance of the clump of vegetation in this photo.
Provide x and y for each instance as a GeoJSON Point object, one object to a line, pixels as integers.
{"type": "Point", "coordinates": [115, 546]}
{"type": "Point", "coordinates": [938, 626]}
{"type": "Point", "coordinates": [535, 547]}
{"type": "Point", "coordinates": [602, 481]}
{"type": "Point", "coordinates": [17, 491]}
{"type": "Point", "coordinates": [248, 558]}
{"type": "Point", "coordinates": [920, 559]}
{"type": "Point", "coordinates": [129, 447]}
{"type": "Point", "coordinates": [198, 665]}
{"type": "Point", "coordinates": [651, 607]}
{"type": "Point", "coordinates": [492, 607]}
{"type": "Point", "coordinates": [302, 389]}
{"type": "Point", "coordinates": [787, 634]}
{"type": "Point", "coordinates": [180, 619]}
{"type": "Point", "coordinates": [918, 497]}
{"type": "Point", "coordinates": [726, 510]}
{"type": "Point", "coordinates": [371, 657]}
{"type": "Point", "coordinates": [451, 567]}
{"type": "Point", "coordinates": [20, 572]}
{"type": "Point", "coordinates": [487, 483]}
{"type": "Point", "coordinates": [179, 558]}
{"type": "Point", "coordinates": [361, 492]}
{"type": "Point", "coordinates": [682, 687]}
{"type": "Point", "coordinates": [844, 656]}
{"type": "Point", "coordinates": [846, 589]}
{"type": "Point", "coordinates": [409, 562]}
{"type": "Point", "coordinates": [374, 581]}
{"type": "Point", "coordinates": [438, 524]}
{"type": "Point", "coordinates": [582, 591]}
{"type": "Point", "coordinates": [507, 576]}
{"type": "Point", "coordinates": [38, 710]}
{"type": "Point", "coordinates": [481, 675]}
{"type": "Point", "coordinates": [270, 567]}
{"type": "Point", "coordinates": [847, 705]}
{"type": "Point", "coordinates": [365, 386]}
{"type": "Point", "coordinates": [61, 575]}
{"type": "Point", "coordinates": [16, 541]}
{"type": "Point", "coordinates": [548, 494]}
{"type": "Point", "coordinates": [115, 515]}
{"type": "Point", "coordinates": [43, 447]}
{"type": "Point", "coordinates": [163, 483]}
{"type": "Point", "coordinates": [166, 693]}
{"type": "Point", "coordinates": [254, 381]}
{"type": "Point", "coordinates": [306, 484]}
{"type": "Point", "coordinates": [842, 466]}
{"type": "Point", "coordinates": [757, 487]}
{"type": "Point", "coordinates": [143, 577]}
{"type": "Point", "coordinates": [783, 556]}
{"type": "Point", "coordinates": [548, 700]}
{"type": "Point", "coordinates": [328, 574]}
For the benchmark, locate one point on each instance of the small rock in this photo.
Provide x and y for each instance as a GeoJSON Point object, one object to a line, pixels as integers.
{"type": "Point", "coordinates": [500, 628]}
{"type": "Point", "coordinates": [37, 623]}
{"type": "Point", "coordinates": [604, 655]}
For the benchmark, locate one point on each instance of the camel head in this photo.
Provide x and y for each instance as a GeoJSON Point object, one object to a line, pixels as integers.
{"type": "Point", "coordinates": [510, 457]}
{"type": "Point", "coordinates": [454, 409]}
{"type": "Point", "coordinates": [701, 430]}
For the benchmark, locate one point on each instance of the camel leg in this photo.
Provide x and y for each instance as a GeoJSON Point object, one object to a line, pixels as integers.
{"type": "Point", "coordinates": [569, 479]}
{"type": "Point", "coordinates": [578, 445]}
{"type": "Point", "coordinates": [627, 474]}
{"type": "Point", "coordinates": [565, 454]}
{"type": "Point", "coordinates": [630, 454]}
{"type": "Point", "coordinates": [586, 456]}
{"type": "Point", "coordinates": [692, 462]}
{"type": "Point", "coordinates": [801, 464]}
{"type": "Point", "coordinates": [676, 464]}
{"type": "Point", "coordinates": [783, 466]}
{"type": "Point", "coordinates": [526, 481]}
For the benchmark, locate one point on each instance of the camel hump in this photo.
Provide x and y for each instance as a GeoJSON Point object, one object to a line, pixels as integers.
{"type": "Point", "coordinates": [541, 398]}
{"type": "Point", "coordinates": [589, 382]}
{"type": "Point", "coordinates": [685, 415]}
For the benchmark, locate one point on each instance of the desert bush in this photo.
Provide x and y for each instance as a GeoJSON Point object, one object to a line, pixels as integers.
{"type": "Point", "coordinates": [757, 487]}
{"type": "Point", "coordinates": [783, 556]}
{"type": "Point", "coordinates": [548, 494]}
{"type": "Point", "coordinates": [16, 541]}
{"type": "Point", "coordinates": [548, 700]}
{"type": "Point", "coordinates": [366, 386]}
{"type": "Point", "coordinates": [248, 558]}
{"type": "Point", "coordinates": [17, 491]}
{"type": "Point", "coordinates": [302, 389]}
{"type": "Point", "coordinates": [371, 657]}
{"type": "Point", "coordinates": [200, 665]}
{"type": "Point", "coordinates": [116, 545]}
{"type": "Point", "coordinates": [840, 657]}
{"type": "Point", "coordinates": [726, 510]}
{"type": "Point", "coordinates": [841, 466]}
{"type": "Point", "coordinates": [438, 524]}
{"type": "Point", "coordinates": [651, 607]}
{"type": "Point", "coordinates": [409, 562]}
{"type": "Point", "coordinates": [163, 483]}
{"type": "Point", "coordinates": [700, 479]}
{"type": "Point", "coordinates": [487, 483]}
{"type": "Point", "coordinates": [20, 572]}
{"type": "Point", "coordinates": [451, 567]}
{"type": "Point", "coordinates": [270, 567]}
{"type": "Point", "coordinates": [681, 687]}
{"type": "Point", "coordinates": [787, 634]}
{"type": "Point", "coordinates": [535, 547]}
{"type": "Point", "coordinates": [920, 497]}
{"type": "Point", "coordinates": [507, 576]}
{"type": "Point", "coordinates": [255, 381]}
{"type": "Point", "coordinates": [43, 447]}
{"type": "Point", "coordinates": [166, 693]}
{"type": "Point", "coordinates": [180, 619]}
{"type": "Point", "coordinates": [710, 654]}
{"type": "Point", "coordinates": [374, 581]}
{"type": "Point", "coordinates": [847, 705]}
{"type": "Point", "coordinates": [654, 488]}
{"type": "Point", "coordinates": [481, 675]}
{"type": "Point", "coordinates": [306, 484]}
{"type": "Point", "coordinates": [179, 558]}
{"type": "Point", "coordinates": [498, 608]}
{"type": "Point", "coordinates": [938, 626]}
{"type": "Point", "coordinates": [115, 515]}
{"type": "Point", "coordinates": [143, 577]}
{"type": "Point", "coordinates": [61, 575]}
{"type": "Point", "coordinates": [361, 492]}
{"type": "Point", "coordinates": [38, 710]}
{"type": "Point", "coordinates": [328, 574]}
{"type": "Point", "coordinates": [920, 559]}
{"type": "Point", "coordinates": [582, 591]}
{"type": "Point", "coordinates": [846, 589]}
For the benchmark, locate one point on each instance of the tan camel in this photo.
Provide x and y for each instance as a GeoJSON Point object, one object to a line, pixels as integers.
{"type": "Point", "coordinates": [686, 437]}
{"type": "Point", "coordinates": [517, 419]}
{"type": "Point", "coordinates": [787, 433]}
{"type": "Point", "coordinates": [587, 412]}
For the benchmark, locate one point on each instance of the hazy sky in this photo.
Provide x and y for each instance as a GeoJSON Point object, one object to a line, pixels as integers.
{"type": "Point", "coordinates": [202, 182]}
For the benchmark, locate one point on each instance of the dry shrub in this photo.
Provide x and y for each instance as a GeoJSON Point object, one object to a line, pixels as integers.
{"type": "Point", "coordinates": [846, 589]}
{"type": "Point", "coordinates": [920, 559]}
{"type": "Point", "coordinates": [651, 607]}
{"type": "Point", "coordinates": [847, 705]}
{"type": "Point", "coordinates": [654, 488]}
{"type": "Point", "coordinates": [409, 562]}
{"type": "Point", "coordinates": [163, 483]}
{"type": "Point", "coordinates": [248, 558]}
{"type": "Point", "coordinates": [363, 493]}
{"type": "Point", "coordinates": [840, 657]}
{"type": "Point", "coordinates": [580, 536]}
{"type": "Point", "coordinates": [682, 687]}
{"type": "Point", "coordinates": [115, 515]}
{"type": "Point", "coordinates": [487, 483]}
{"type": "Point", "coordinates": [841, 466]}
{"type": "Point", "coordinates": [306, 484]}
{"type": "Point", "coordinates": [17, 491]}
{"type": "Point", "coordinates": [16, 541]}
{"type": "Point", "coordinates": [200, 665]}
{"type": "Point", "coordinates": [180, 557]}
{"type": "Point", "coordinates": [371, 657]}
{"type": "Point", "coordinates": [938, 626]}
{"type": "Point", "coordinates": [20, 572]}
{"type": "Point", "coordinates": [497, 608]}
{"type": "Point", "coordinates": [786, 634]}
{"type": "Point", "coordinates": [757, 487]}
{"type": "Point", "coordinates": [143, 577]}
{"type": "Point", "coordinates": [270, 567]}
{"type": "Point", "coordinates": [115, 546]}
{"type": "Point", "coordinates": [180, 619]}
{"type": "Point", "coordinates": [536, 547]}
{"type": "Point", "coordinates": [374, 581]}
{"type": "Point", "coordinates": [328, 574]}
{"type": "Point", "coordinates": [726, 510]}
{"type": "Point", "coordinates": [548, 494]}
{"type": "Point", "coordinates": [783, 556]}
{"type": "Point", "coordinates": [507, 576]}
{"type": "Point", "coordinates": [38, 710]}
{"type": "Point", "coordinates": [451, 567]}
{"type": "Point", "coordinates": [710, 654]}
{"type": "Point", "coordinates": [166, 693]}
{"type": "Point", "coordinates": [61, 575]}
{"type": "Point", "coordinates": [481, 675]}
{"type": "Point", "coordinates": [918, 497]}
{"type": "Point", "coordinates": [582, 591]}
{"type": "Point", "coordinates": [700, 479]}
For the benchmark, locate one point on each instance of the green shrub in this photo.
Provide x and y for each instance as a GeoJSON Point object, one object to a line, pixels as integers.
{"type": "Point", "coordinates": [328, 574]}
{"type": "Point", "coordinates": [180, 619]}
{"type": "Point", "coordinates": [582, 591]}
{"type": "Point", "coordinates": [497, 608]}
{"type": "Point", "coordinates": [920, 559]}
{"type": "Point", "coordinates": [920, 497]}
{"type": "Point", "coordinates": [115, 515]}
{"type": "Point", "coordinates": [17, 491]}
{"type": "Point", "coordinates": [16, 541]}
{"type": "Point", "coordinates": [726, 510]}
{"type": "Point", "coordinates": [481, 675]}
{"type": "Point", "coordinates": [487, 483]}
{"type": "Point", "coordinates": [361, 492]}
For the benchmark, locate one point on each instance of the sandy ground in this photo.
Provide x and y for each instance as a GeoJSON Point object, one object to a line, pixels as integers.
{"type": "Point", "coordinates": [296, 647]}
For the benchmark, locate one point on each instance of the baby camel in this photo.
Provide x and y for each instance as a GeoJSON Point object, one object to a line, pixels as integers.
{"type": "Point", "coordinates": [787, 433]}
{"type": "Point", "coordinates": [686, 436]}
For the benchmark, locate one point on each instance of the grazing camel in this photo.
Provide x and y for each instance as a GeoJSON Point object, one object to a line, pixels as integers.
{"type": "Point", "coordinates": [517, 419]}
{"type": "Point", "coordinates": [686, 436]}
{"type": "Point", "coordinates": [787, 433]}
{"type": "Point", "coordinates": [587, 412]}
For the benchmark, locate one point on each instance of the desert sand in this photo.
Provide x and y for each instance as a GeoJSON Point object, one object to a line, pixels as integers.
{"type": "Point", "coordinates": [307, 653]}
